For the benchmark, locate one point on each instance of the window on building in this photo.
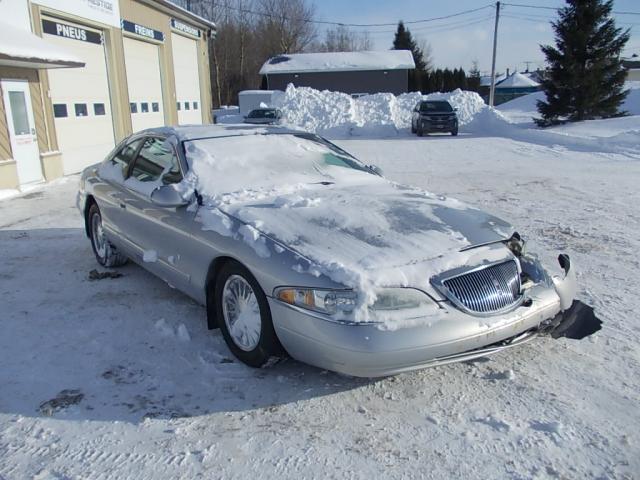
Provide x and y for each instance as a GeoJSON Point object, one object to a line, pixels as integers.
{"type": "Point", "coordinates": [155, 107]}
{"type": "Point", "coordinates": [178, 105]}
{"type": "Point", "coordinates": [60, 110]}
{"type": "Point", "coordinates": [98, 109]}
{"type": "Point", "coordinates": [19, 113]}
{"type": "Point", "coordinates": [81, 109]}
{"type": "Point", "coordinates": [125, 156]}
{"type": "Point", "coordinates": [186, 105]}
{"type": "Point", "coordinates": [157, 160]}
{"type": "Point", "coordinates": [195, 105]}
{"type": "Point", "coordinates": [134, 107]}
{"type": "Point", "coordinates": [144, 107]}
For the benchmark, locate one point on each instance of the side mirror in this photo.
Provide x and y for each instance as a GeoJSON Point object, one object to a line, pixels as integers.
{"type": "Point", "coordinates": [375, 169]}
{"type": "Point", "coordinates": [167, 196]}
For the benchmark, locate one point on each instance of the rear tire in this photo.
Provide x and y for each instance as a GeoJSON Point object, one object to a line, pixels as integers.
{"type": "Point", "coordinates": [106, 254]}
{"type": "Point", "coordinates": [454, 132]}
{"type": "Point", "coordinates": [244, 316]}
{"type": "Point", "coordinates": [420, 132]}
{"type": "Point", "coordinates": [413, 129]}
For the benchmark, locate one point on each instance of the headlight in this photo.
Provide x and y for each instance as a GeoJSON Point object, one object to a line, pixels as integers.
{"type": "Point", "coordinates": [329, 302]}
{"type": "Point", "coordinates": [402, 303]}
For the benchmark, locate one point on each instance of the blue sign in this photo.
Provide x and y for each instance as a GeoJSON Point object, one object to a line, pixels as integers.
{"type": "Point", "coordinates": [141, 30]}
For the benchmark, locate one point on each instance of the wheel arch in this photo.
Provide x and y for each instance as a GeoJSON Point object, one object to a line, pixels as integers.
{"type": "Point", "coordinates": [87, 206]}
{"type": "Point", "coordinates": [210, 285]}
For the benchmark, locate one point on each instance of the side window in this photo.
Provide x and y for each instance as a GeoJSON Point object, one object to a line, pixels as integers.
{"type": "Point", "coordinates": [126, 155]}
{"type": "Point", "coordinates": [157, 161]}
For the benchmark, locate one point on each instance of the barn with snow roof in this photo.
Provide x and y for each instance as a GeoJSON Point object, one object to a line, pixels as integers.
{"type": "Point", "coordinates": [349, 72]}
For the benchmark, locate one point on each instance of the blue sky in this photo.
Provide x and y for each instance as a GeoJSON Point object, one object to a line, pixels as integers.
{"type": "Point", "coordinates": [460, 40]}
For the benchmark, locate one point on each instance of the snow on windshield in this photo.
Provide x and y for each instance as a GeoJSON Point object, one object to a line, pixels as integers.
{"type": "Point", "coordinates": [249, 162]}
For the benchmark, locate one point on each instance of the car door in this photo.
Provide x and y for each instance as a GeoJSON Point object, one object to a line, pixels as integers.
{"type": "Point", "coordinates": [110, 192]}
{"type": "Point", "coordinates": [160, 235]}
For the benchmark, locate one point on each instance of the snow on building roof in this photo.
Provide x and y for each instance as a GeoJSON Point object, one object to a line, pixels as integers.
{"type": "Point", "coordinates": [339, 62]}
{"type": "Point", "coordinates": [517, 80]}
{"type": "Point", "coordinates": [21, 48]}
{"type": "Point", "coordinates": [485, 80]}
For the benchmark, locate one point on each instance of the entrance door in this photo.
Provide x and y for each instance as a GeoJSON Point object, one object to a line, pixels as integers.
{"type": "Point", "coordinates": [22, 130]}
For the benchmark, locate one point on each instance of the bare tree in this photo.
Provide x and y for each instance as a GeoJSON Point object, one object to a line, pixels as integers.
{"type": "Point", "coordinates": [341, 39]}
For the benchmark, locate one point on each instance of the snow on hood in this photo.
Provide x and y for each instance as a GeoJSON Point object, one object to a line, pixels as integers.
{"type": "Point", "coordinates": [357, 228]}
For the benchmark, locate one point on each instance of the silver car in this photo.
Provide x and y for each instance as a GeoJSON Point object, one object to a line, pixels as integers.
{"type": "Point", "coordinates": [296, 247]}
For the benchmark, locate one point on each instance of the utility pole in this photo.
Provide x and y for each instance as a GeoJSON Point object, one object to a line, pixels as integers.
{"type": "Point", "coordinates": [493, 61]}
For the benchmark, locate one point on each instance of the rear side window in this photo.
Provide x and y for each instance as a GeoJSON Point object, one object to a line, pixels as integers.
{"type": "Point", "coordinates": [157, 161]}
{"type": "Point", "coordinates": [126, 155]}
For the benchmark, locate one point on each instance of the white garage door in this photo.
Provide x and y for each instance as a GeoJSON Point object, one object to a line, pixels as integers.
{"type": "Point", "coordinates": [185, 66]}
{"type": "Point", "coordinates": [80, 96]}
{"type": "Point", "coordinates": [142, 62]}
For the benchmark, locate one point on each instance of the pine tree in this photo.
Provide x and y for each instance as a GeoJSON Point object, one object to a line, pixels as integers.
{"type": "Point", "coordinates": [404, 41]}
{"type": "Point", "coordinates": [585, 78]}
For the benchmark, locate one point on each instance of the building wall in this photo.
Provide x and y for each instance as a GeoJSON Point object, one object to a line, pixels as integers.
{"type": "Point", "coordinates": [376, 81]}
{"type": "Point", "coordinates": [633, 74]}
{"type": "Point", "coordinates": [149, 13]}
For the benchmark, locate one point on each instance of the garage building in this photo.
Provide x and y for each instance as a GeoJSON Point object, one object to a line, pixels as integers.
{"type": "Point", "coordinates": [349, 72]}
{"type": "Point", "coordinates": [110, 68]}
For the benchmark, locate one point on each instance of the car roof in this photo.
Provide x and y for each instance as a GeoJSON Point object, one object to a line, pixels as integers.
{"type": "Point", "coordinates": [194, 132]}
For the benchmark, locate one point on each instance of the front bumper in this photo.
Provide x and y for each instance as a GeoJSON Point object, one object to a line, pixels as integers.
{"type": "Point", "coordinates": [367, 351]}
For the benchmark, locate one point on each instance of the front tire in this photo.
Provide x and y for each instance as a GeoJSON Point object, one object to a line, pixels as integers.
{"type": "Point", "coordinates": [106, 254]}
{"type": "Point", "coordinates": [420, 131]}
{"type": "Point", "coordinates": [454, 132]}
{"type": "Point", "coordinates": [244, 316]}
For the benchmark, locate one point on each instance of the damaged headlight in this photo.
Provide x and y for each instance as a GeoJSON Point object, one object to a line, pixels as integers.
{"type": "Point", "coordinates": [328, 302]}
{"type": "Point", "coordinates": [402, 303]}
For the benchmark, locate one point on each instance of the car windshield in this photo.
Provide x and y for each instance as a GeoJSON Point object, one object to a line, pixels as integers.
{"type": "Point", "coordinates": [248, 162]}
{"type": "Point", "coordinates": [435, 107]}
{"type": "Point", "coordinates": [262, 114]}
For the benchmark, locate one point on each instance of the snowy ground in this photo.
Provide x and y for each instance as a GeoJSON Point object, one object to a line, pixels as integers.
{"type": "Point", "coordinates": [119, 378]}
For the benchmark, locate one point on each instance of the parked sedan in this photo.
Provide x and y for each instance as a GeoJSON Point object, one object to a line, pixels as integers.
{"type": "Point", "coordinates": [434, 116]}
{"type": "Point", "coordinates": [295, 246]}
{"type": "Point", "coordinates": [264, 116]}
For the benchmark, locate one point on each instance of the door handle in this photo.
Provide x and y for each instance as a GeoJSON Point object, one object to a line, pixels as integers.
{"type": "Point", "coordinates": [122, 205]}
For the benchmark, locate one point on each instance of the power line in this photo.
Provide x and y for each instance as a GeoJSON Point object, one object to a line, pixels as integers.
{"type": "Point", "coordinates": [361, 25]}
{"type": "Point", "coordinates": [432, 28]}
{"type": "Point", "coordinates": [524, 5]}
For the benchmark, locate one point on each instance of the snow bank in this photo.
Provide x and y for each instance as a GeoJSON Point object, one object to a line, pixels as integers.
{"type": "Point", "coordinates": [337, 114]}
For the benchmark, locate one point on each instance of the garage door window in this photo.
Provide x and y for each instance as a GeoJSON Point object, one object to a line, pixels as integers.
{"type": "Point", "coordinates": [81, 109]}
{"type": "Point", "coordinates": [178, 105]}
{"type": "Point", "coordinates": [195, 105]}
{"type": "Point", "coordinates": [144, 107]}
{"type": "Point", "coordinates": [134, 107]}
{"type": "Point", "coordinates": [155, 106]}
{"type": "Point", "coordinates": [98, 109]}
{"type": "Point", "coordinates": [156, 161]}
{"type": "Point", "coordinates": [60, 110]}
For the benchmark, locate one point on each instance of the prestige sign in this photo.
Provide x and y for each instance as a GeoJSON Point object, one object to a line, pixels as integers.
{"type": "Point", "coordinates": [143, 31]}
{"type": "Point", "coordinates": [184, 28]}
{"type": "Point", "coordinates": [103, 11]}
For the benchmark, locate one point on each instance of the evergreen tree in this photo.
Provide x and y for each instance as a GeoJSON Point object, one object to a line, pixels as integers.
{"type": "Point", "coordinates": [473, 80]}
{"type": "Point", "coordinates": [404, 41]}
{"type": "Point", "coordinates": [585, 76]}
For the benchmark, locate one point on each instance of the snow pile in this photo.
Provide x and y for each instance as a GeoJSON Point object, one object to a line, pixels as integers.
{"type": "Point", "coordinates": [381, 114]}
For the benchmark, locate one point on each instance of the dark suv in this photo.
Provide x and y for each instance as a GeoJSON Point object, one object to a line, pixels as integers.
{"type": "Point", "coordinates": [434, 116]}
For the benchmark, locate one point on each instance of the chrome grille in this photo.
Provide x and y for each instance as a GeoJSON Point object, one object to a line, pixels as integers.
{"type": "Point", "coordinates": [487, 290]}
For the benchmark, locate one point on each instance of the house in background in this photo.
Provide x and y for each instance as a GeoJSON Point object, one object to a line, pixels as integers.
{"type": "Point", "coordinates": [348, 72]}
{"type": "Point", "coordinates": [633, 68]}
{"type": "Point", "coordinates": [77, 76]}
{"type": "Point", "coordinates": [514, 86]}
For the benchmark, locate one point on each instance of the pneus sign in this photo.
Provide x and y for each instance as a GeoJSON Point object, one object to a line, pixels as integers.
{"type": "Point", "coordinates": [71, 31]}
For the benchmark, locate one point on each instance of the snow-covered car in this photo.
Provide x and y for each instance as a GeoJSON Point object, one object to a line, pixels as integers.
{"type": "Point", "coordinates": [264, 116]}
{"type": "Point", "coordinates": [434, 116]}
{"type": "Point", "coordinates": [293, 245]}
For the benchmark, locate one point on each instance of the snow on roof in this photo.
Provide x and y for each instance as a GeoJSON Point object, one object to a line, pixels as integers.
{"type": "Point", "coordinates": [21, 48]}
{"type": "Point", "coordinates": [485, 80]}
{"type": "Point", "coordinates": [516, 80]}
{"type": "Point", "coordinates": [339, 62]}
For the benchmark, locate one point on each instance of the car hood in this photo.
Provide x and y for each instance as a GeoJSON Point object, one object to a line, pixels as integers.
{"type": "Point", "coordinates": [366, 227]}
